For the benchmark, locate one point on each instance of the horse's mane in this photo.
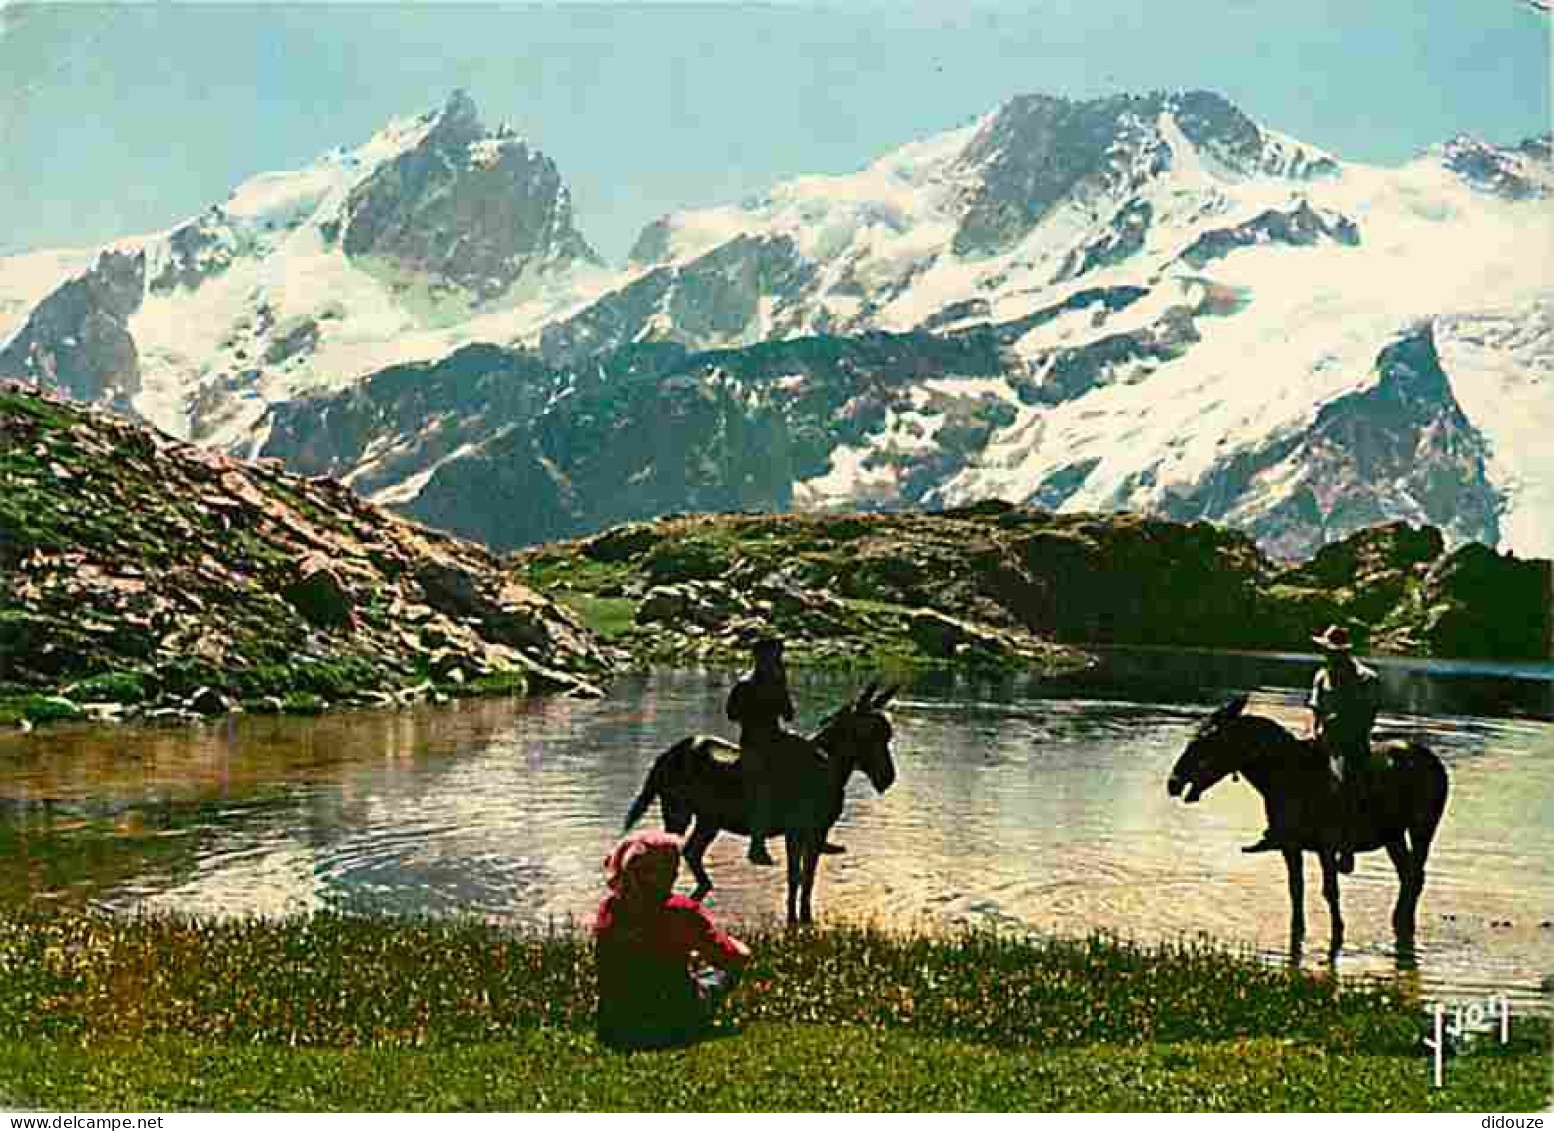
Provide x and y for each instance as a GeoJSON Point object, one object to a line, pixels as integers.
{"type": "Point", "coordinates": [826, 734]}
{"type": "Point", "coordinates": [1266, 728]}
{"type": "Point", "coordinates": [1272, 738]}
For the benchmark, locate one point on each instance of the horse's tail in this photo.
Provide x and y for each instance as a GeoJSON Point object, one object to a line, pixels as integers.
{"type": "Point", "coordinates": [1434, 803]}
{"type": "Point", "coordinates": [657, 780]}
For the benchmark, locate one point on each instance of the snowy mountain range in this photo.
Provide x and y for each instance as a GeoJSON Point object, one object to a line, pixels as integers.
{"type": "Point", "coordinates": [1141, 302]}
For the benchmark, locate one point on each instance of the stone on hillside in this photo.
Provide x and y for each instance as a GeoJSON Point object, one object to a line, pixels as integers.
{"type": "Point", "coordinates": [450, 666]}
{"type": "Point", "coordinates": [435, 636]}
{"type": "Point", "coordinates": [319, 594]}
{"type": "Point", "coordinates": [888, 575]}
{"type": "Point", "coordinates": [519, 616]}
{"type": "Point", "coordinates": [622, 542]}
{"type": "Point", "coordinates": [704, 604]}
{"type": "Point", "coordinates": [410, 612]}
{"type": "Point", "coordinates": [207, 701]}
{"type": "Point", "coordinates": [510, 614]}
{"type": "Point", "coordinates": [945, 637]}
{"type": "Point", "coordinates": [781, 599]}
{"type": "Point", "coordinates": [809, 612]}
{"type": "Point", "coordinates": [449, 588]}
{"type": "Point", "coordinates": [409, 695]}
{"type": "Point", "coordinates": [542, 679]}
{"type": "Point", "coordinates": [687, 559]}
{"type": "Point", "coordinates": [664, 604]}
{"type": "Point", "coordinates": [104, 712]}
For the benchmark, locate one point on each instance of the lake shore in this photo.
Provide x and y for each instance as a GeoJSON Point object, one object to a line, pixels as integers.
{"type": "Point", "coordinates": [342, 1013]}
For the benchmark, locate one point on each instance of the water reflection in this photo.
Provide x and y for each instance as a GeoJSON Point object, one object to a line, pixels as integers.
{"type": "Point", "coordinates": [1037, 805]}
{"type": "Point", "coordinates": [1413, 687]}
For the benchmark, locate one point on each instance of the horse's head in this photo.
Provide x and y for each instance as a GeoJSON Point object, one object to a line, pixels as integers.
{"type": "Point", "coordinates": [860, 734]}
{"type": "Point", "coordinates": [1216, 751]}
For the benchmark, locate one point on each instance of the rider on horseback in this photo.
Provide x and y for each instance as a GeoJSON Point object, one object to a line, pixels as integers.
{"type": "Point", "coordinates": [760, 703]}
{"type": "Point", "coordinates": [1343, 704]}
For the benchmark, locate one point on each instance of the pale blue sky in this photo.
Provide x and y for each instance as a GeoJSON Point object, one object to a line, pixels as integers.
{"type": "Point", "coordinates": [119, 119]}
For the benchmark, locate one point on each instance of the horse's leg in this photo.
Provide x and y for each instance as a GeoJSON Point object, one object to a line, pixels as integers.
{"type": "Point", "coordinates": [696, 846]}
{"type": "Point", "coordinates": [1403, 863]}
{"type": "Point", "coordinates": [1408, 895]}
{"type": "Point", "coordinates": [1330, 893]}
{"type": "Point", "coordinates": [1419, 838]}
{"type": "Point", "coordinates": [1295, 867]}
{"type": "Point", "coordinates": [810, 865]}
{"type": "Point", "coordinates": [793, 853]}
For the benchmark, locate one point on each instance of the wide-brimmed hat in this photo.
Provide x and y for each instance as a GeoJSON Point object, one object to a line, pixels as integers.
{"type": "Point", "coordinates": [1334, 639]}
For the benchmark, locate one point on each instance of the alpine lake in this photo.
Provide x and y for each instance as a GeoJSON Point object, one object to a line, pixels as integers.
{"type": "Point", "coordinates": [1035, 805]}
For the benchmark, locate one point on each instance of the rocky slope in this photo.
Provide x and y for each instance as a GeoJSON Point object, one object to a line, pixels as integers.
{"type": "Point", "coordinates": [470, 209]}
{"type": "Point", "coordinates": [496, 445]}
{"type": "Point", "coordinates": [997, 587]}
{"type": "Point", "coordinates": [139, 572]}
{"type": "Point", "coordinates": [78, 341]}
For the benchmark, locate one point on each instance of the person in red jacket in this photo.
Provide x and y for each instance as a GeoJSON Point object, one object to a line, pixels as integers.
{"type": "Point", "coordinates": [663, 965]}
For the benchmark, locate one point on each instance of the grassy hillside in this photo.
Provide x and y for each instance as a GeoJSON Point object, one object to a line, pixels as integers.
{"type": "Point", "coordinates": [995, 586]}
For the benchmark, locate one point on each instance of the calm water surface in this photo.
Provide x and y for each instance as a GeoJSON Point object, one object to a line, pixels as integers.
{"type": "Point", "coordinates": [1028, 804]}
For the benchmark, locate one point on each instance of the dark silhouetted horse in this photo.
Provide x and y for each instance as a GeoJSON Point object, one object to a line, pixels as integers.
{"type": "Point", "coordinates": [698, 779]}
{"type": "Point", "coordinates": [1403, 794]}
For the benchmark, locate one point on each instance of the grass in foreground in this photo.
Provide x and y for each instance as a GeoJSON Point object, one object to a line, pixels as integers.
{"type": "Point", "coordinates": [335, 1012]}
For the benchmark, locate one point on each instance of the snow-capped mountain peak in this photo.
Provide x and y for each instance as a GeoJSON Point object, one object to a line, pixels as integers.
{"type": "Point", "coordinates": [309, 278]}
{"type": "Point", "coordinates": [1522, 172]}
{"type": "Point", "coordinates": [1147, 302]}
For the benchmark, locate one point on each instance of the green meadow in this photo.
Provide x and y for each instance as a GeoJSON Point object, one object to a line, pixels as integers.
{"type": "Point", "coordinates": [340, 1013]}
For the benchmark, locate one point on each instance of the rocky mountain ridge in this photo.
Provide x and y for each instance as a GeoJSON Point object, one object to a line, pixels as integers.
{"type": "Point", "coordinates": [497, 446]}
{"type": "Point", "coordinates": [1146, 303]}
{"type": "Point", "coordinates": [995, 588]}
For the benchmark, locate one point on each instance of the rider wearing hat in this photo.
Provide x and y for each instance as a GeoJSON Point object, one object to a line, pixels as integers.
{"type": "Point", "coordinates": [760, 703]}
{"type": "Point", "coordinates": [1343, 704]}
